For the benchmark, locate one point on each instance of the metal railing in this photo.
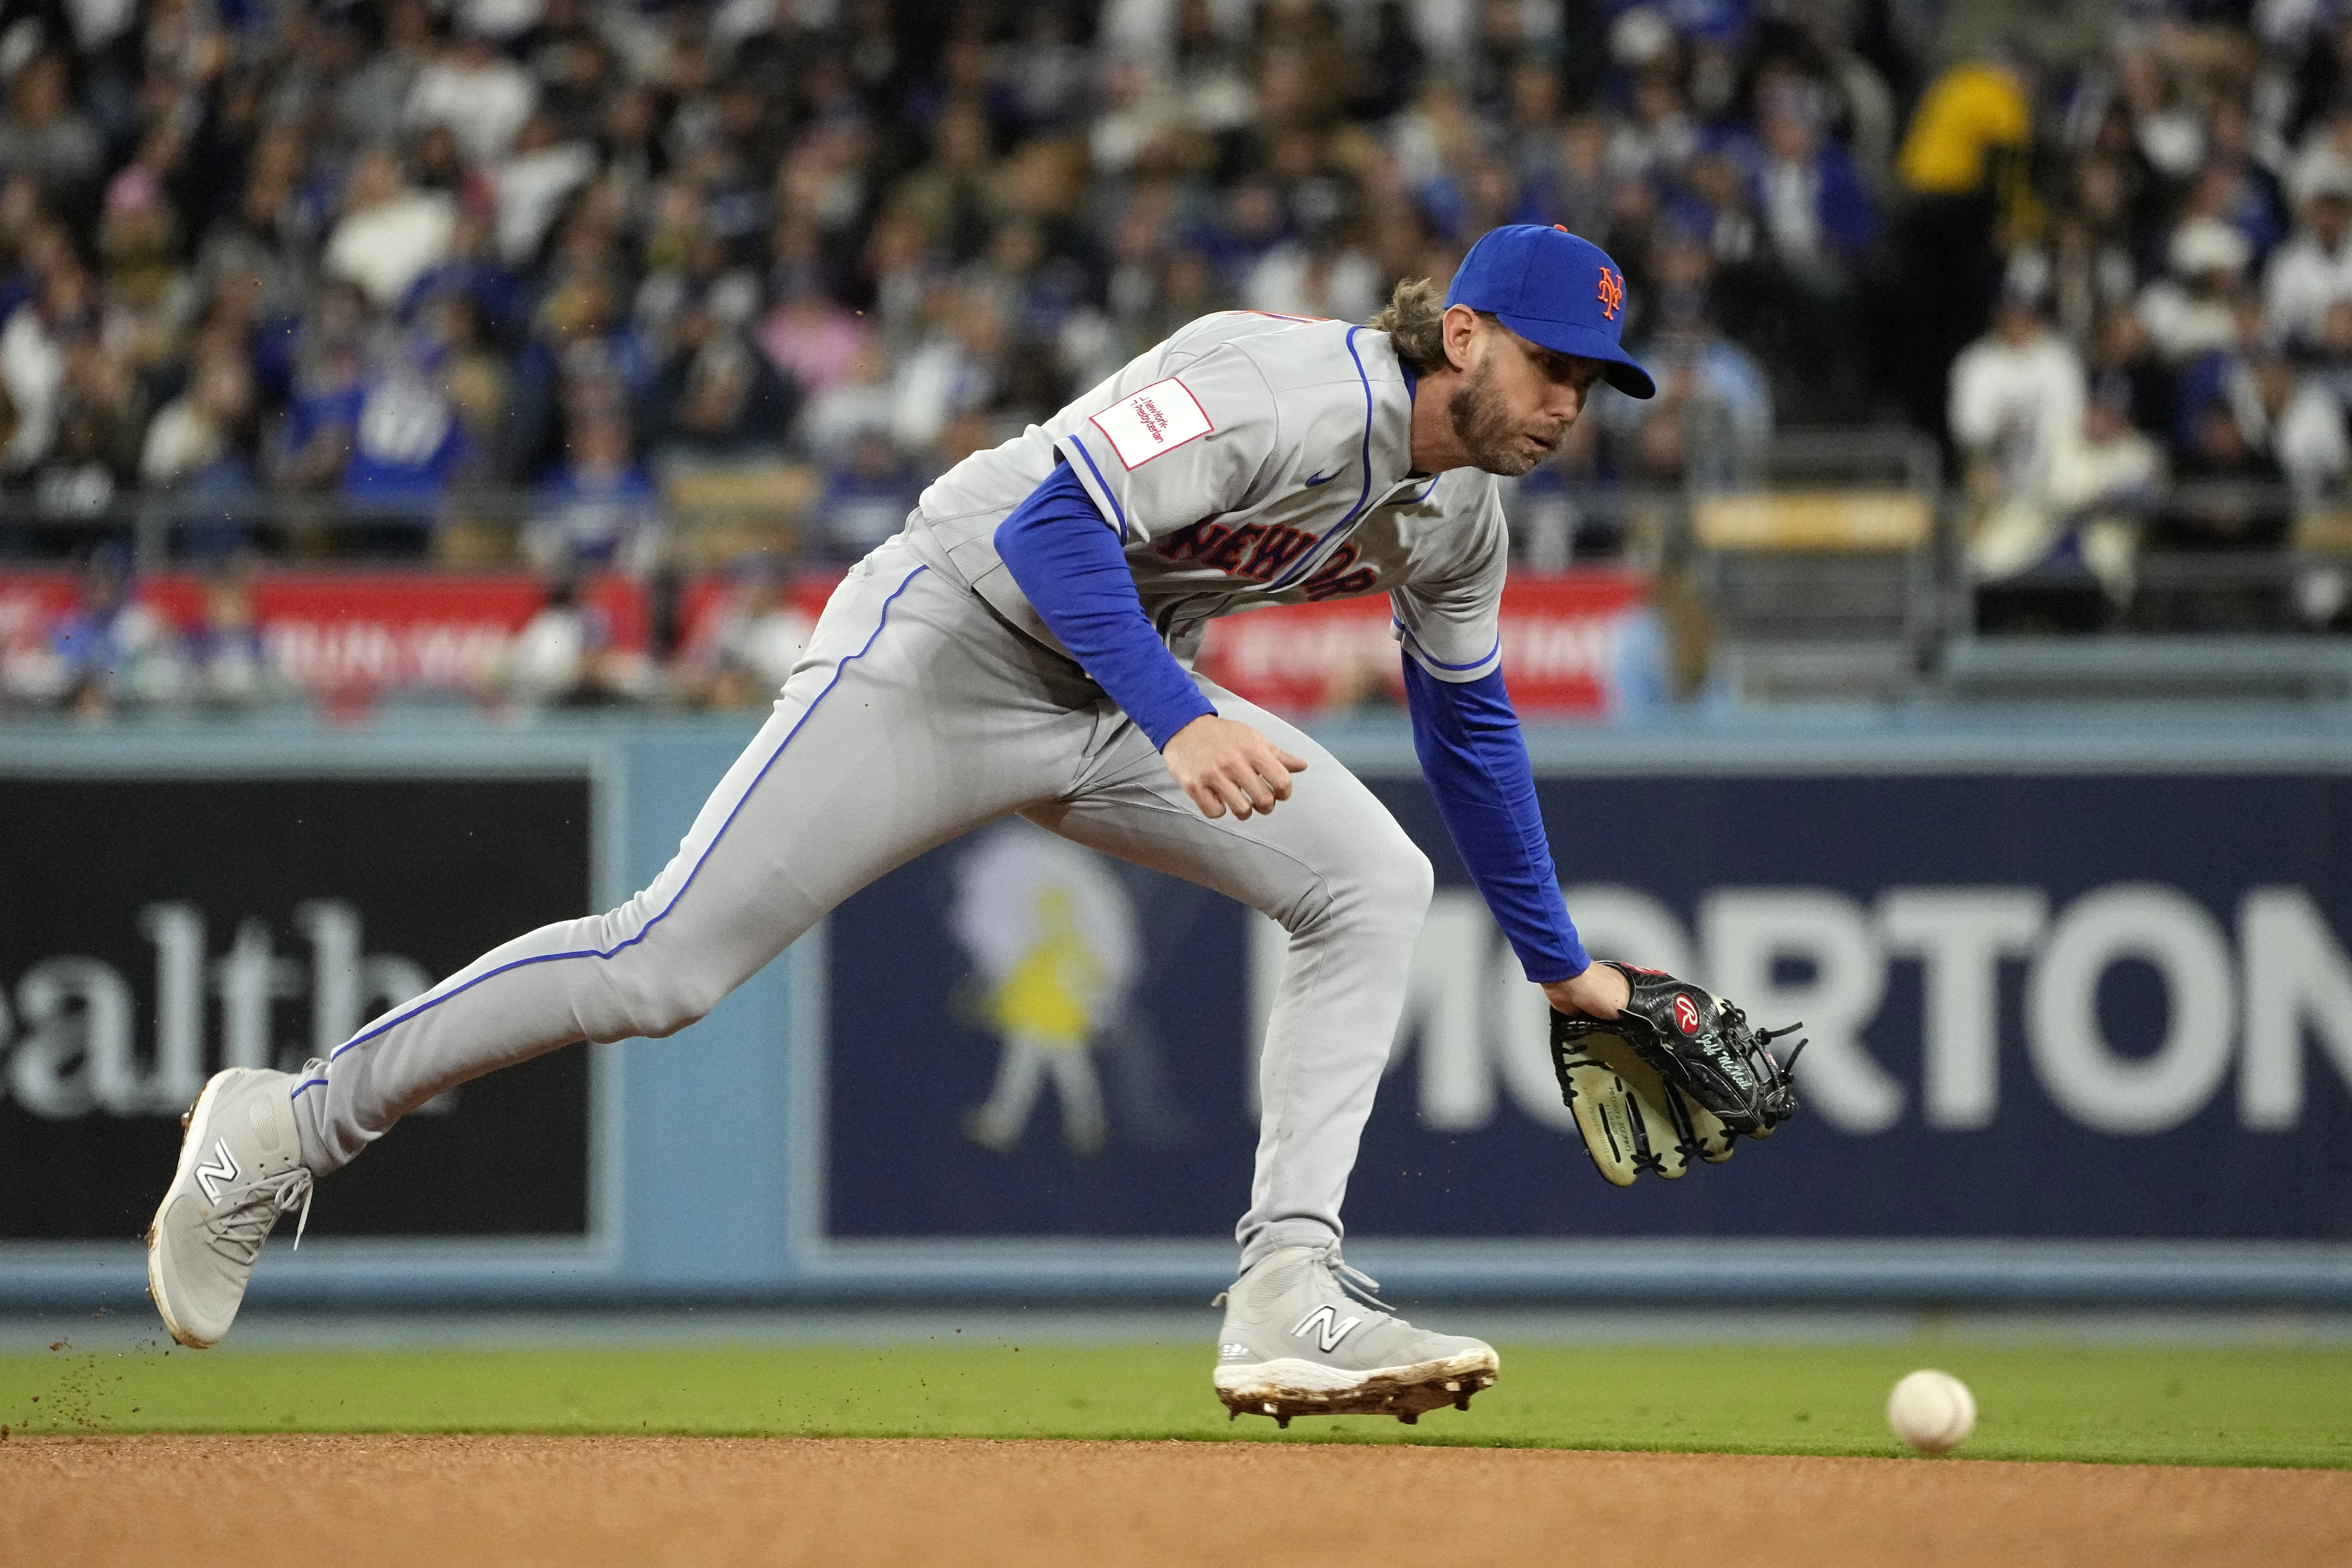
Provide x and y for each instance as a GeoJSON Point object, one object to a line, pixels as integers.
{"type": "Point", "coordinates": [693, 521]}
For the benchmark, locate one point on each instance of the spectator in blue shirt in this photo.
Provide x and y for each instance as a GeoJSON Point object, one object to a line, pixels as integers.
{"type": "Point", "coordinates": [314, 440]}
{"type": "Point", "coordinates": [1810, 200]}
{"type": "Point", "coordinates": [407, 445]}
{"type": "Point", "coordinates": [1816, 220]}
{"type": "Point", "coordinates": [112, 649]}
{"type": "Point", "coordinates": [472, 268]}
{"type": "Point", "coordinates": [599, 509]}
{"type": "Point", "coordinates": [868, 492]}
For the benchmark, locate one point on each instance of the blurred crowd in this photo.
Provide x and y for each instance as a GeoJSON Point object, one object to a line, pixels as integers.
{"type": "Point", "coordinates": [2147, 220]}
{"type": "Point", "coordinates": [379, 257]}
{"type": "Point", "coordinates": [392, 253]}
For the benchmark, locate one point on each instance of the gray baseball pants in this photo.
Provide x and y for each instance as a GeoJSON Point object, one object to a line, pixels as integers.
{"type": "Point", "coordinates": [916, 716]}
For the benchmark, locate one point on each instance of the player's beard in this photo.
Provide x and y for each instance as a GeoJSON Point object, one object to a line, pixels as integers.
{"type": "Point", "coordinates": [1483, 426]}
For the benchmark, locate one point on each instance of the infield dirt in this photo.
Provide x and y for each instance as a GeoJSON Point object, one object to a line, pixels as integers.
{"type": "Point", "coordinates": [357, 1501]}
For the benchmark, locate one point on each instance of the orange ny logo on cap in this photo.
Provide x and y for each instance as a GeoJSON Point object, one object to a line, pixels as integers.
{"type": "Point", "coordinates": [1612, 293]}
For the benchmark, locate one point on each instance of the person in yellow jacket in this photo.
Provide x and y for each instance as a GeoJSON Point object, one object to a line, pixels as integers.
{"type": "Point", "coordinates": [1973, 109]}
{"type": "Point", "coordinates": [1963, 167]}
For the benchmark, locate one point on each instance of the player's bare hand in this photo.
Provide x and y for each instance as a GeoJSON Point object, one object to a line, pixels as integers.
{"type": "Point", "coordinates": [1225, 765]}
{"type": "Point", "coordinates": [1598, 993]}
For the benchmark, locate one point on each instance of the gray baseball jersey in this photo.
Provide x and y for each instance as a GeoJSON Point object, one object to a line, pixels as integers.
{"type": "Point", "coordinates": [1248, 461]}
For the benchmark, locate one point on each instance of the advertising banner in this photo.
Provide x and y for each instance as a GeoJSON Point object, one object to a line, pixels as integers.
{"type": "Point", "coordinates": [330, 634]}
{"type": "Point", "coordinates": [1569, 640]}
{"type": "Point", "coordinates": [157, 929]}
{"type": "Point", "coordinates": [1565, 641]}
{"type": "Point", "coordinates": [2055, 1007]}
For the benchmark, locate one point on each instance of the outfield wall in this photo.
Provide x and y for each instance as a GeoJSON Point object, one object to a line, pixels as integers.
{"type": "Point", "coordinates": [2077, 988]}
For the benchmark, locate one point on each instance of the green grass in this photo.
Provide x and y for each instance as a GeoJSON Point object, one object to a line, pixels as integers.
{"type": "Point", "coordinates": [2232, 1406]}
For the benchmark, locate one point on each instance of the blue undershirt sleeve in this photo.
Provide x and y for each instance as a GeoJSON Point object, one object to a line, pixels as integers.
{"type": "Point", "coordinates": [1476, 764]}
{"type": "Point", "coordinates": [1069, 563]}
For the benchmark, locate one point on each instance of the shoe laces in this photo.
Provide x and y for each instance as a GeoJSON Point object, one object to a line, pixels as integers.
{"type": "Point", "coordinates": [251, 1213]}
{"type": "Point", "coordinates": [1349, 1279]}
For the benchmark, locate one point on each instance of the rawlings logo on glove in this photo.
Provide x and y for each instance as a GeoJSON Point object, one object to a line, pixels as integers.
{"type": "Point", "coordinates": [1678, 1073]}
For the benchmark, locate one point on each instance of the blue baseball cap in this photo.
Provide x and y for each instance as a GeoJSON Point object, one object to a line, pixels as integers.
{"type": "Point", "coordinates": [1555, 288]}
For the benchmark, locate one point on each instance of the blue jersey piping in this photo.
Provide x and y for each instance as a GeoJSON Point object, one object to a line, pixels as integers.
{"type": "Point", "coordinates": [1113, 499]}
{"type": "Point", "coordinates": [1361, 501]}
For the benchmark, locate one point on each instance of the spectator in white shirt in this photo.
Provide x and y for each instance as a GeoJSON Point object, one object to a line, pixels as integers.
{"type": "Point", "coordinates": [2016, 392]}
{"type": "Point", "coordinates": [532, 186]}
{"type": "Point", "coordinates": [389, 235]}
{"type": "Point", "coordinates": [951, 372]}
{"type": "Point", "coordinates": [2192, 311]}
{"type": "Point", "coordinates": [2314, 268]}
{"type": "Point", "coordinates": [33, 360]}
{"type": "Point", "coordinates": [2297, 417]}
{"type": "Point", "coordinates": [2103, 476]}
{"type": "Point", "coordinates": [747, 645]}
{"type": "Point", "coordinates": [847, 409]}
{"type": "Point", "coordinates": [1318, 276]}
{"type": "Point", "coordinates": [201, 429]}
{"type": "Point", "coordinates": [482, 97]}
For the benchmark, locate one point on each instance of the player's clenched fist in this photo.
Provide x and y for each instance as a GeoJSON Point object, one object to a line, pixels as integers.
{"type": "Point", "coordinates": [1225, 765]}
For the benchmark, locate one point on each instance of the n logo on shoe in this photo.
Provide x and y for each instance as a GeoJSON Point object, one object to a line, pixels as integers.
{"type": "Point", "coordinates": [1328, 1329]}
{"type": "Point", "coordinates": [220, 1169]}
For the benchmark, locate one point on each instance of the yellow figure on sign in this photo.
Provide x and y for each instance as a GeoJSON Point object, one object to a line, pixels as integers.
{"type": "Point", "coordinates": [1049, 996]}
{"type": "Point", "coordinates": [1053, 935]}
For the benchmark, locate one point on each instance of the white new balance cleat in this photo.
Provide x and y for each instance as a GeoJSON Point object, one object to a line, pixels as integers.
{"type": "Point", "coordinates": [240, 1168]}
{"type": "Point", "coordinates": [1297, 1342]}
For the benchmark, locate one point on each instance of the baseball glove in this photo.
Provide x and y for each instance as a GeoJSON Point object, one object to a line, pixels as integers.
{"type": "Point", "coordinates": [1678, 1073]}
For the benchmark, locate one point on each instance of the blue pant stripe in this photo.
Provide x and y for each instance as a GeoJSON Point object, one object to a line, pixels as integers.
{"type": "Point", "coordinates": [361, 1039]}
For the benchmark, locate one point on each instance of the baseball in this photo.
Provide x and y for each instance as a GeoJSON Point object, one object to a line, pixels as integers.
{"type": "Point", "coordinates": [1932, 1411]}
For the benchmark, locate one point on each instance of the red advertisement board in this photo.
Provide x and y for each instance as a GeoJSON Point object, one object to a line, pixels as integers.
{"type": "Point", "coordinates": [1560, 640]}
{"type": "Point", "coordinates": [1561, 637]}
{"type": "Point", "coordinates": [706, 602]}
{"type": "Point", "coordinates": [339, 632]}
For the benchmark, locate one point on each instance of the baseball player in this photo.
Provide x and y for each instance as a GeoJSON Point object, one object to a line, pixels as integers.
{"type": "Point", "coordinates": [1023, 646]}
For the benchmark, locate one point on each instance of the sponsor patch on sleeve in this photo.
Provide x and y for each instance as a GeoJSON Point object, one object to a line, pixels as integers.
{"type": "Point", "coordinates": [1153, 422]}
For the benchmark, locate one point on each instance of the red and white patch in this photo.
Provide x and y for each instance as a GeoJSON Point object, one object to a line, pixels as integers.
{"type": "Point", "coordinates": [1686, 1014]}
{"type": "Point", "coordinates": [1154, 422]}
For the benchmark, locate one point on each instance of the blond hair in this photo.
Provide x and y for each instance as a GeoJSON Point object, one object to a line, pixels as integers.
{"type": "Point", "coordinates": [1415, 319]}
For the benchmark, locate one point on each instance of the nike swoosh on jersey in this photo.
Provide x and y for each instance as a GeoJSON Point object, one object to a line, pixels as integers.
{"type": "Point", "coordinates": [1314, 479]}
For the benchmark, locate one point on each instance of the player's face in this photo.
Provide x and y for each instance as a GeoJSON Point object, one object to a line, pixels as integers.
{"type": "Point", "coordinates": [1516, 406]}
